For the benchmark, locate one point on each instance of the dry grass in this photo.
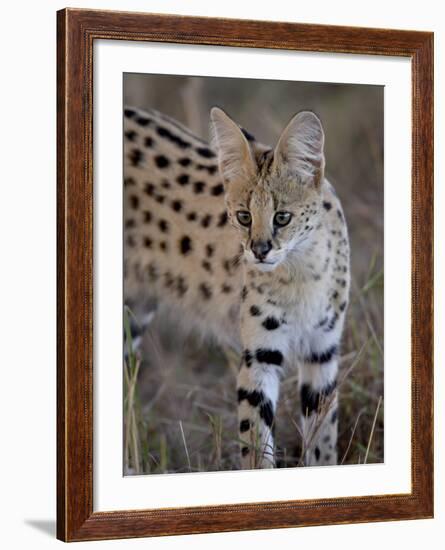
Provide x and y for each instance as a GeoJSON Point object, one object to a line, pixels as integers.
{"type": "Point", "coordinates": [180, 404]}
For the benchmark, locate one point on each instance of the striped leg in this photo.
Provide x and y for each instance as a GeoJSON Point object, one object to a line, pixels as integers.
{"type": "Point", "coordinates": [318, 378]}
{"type": "Point", "coordinates": [258, 390]}
{"type": "Point", "coordinates": [264, 334]}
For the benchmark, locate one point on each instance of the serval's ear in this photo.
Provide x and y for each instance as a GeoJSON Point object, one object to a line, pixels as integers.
{"type": "Point", "coordinates": [234, 154]}
{"type": "Point", "coordinates": [300, 147]}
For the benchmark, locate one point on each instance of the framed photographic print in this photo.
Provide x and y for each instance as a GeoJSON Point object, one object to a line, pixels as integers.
{"type": "Point", "coordinates": [245, 226]}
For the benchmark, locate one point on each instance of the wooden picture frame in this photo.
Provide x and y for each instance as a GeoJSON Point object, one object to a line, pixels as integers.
{"type": "Point", "coordinates": [76, 32]}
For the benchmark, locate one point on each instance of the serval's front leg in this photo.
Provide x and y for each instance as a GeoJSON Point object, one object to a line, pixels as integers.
{"type": "Point", "coordinates": [318, 393]}
{"type": "Point", "coordinates": [264, 336]}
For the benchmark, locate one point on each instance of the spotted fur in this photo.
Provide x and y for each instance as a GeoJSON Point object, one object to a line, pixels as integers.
{"type": "Point", "coordinates": [249, 244]}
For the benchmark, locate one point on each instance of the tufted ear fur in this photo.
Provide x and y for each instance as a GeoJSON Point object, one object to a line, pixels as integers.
{"type": "Point", "coordinates": [234, 153]}
{"type": "Point", "coordinates": [300, 147]}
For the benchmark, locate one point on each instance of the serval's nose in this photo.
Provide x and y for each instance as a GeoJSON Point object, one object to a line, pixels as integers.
{"type": "Point", "coordinates": [261, 249]}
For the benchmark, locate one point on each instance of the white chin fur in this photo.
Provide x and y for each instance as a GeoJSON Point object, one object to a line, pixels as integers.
{"type": "Point", "coordinates": [265, 267]}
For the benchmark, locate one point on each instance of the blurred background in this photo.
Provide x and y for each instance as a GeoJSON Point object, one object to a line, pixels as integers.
{"type": "Point", "coordinates": [180, 408]}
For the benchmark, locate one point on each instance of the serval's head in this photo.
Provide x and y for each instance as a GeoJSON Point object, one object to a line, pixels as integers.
{"type": "Point", "coordinates": [272, 195]}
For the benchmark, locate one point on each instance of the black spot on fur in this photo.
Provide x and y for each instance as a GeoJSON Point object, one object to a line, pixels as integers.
{"type": "Point", "coordinates": [310, 400]}
{"type": "Point", "coordinates": [244, 293]}
{"type": "Point", "coordinates": [270, 356]}
{"type": "Point", "coordinates": [322, 357]}
{"type": "Point", "coordinates": [129, 113]}
{"type": "Point", "coordinates": [254, 397]}
{"type": "Point", "coordinates": [340, 215]}
{"type": "Point", "coordinates": [332, 322]}
{"type": "Point", "coordinates": [136, 157]}
{"type": "Point", "coordinates": [217, 189]}
{"type": "Point", "coordinates": [245, 451]}
{"type": "Point", "coordinates": [185, 245]}
{"type": "Point", "coordinates": [129, 223]}
{"type": "Point", "coordinates": [266, 413]}
{"type": "Point", "coordinates": [169, 279]}
{"type": "Point", "coordinates": [159, 198]}
{"type": "Point", "coordinates": [223, 217]}
{"type": "Point", "coordinates": [211, 169]}
{"type": "Point", "coordinates": [205, 290]}
{"type": "Point", "coordinates": [242, 393]}
{"type": "Point", "coordinates": [206, 220]}
{"type": "Point", "coordinates": [147, 216]}
{"type": "Point", "coordinates": [244, 426]}
{"type": "Point", "coordinates": [153, 272]}
{"type": "Point", "coordinates": [149, 189]}
{"type": "Point", "coordinates": [161, 161]}
{"type": "Point", "coordinates": [130, 135]}
{"type": "Point", "coordinates": [184, 161]}
{"type": "Point", "coordinates": [199, 186]}
{"type": "Point", "coordinates": [148, 141]}
{"type": "Point", "coordinates": [163, 246]}
{"type": "Point", "coordinates": [181, 286]}
{"type": "Point", "coordinates": [134, 202]}
{"type": "Point", "coordinates": [177, 205]}
{"type": "Point", "coordinates": [131, 241]}
{"type": "Point", "coordinates": [163, 226]}
{"type": "Point", "coordinates": [247, 357]}
{"type": "Point", "coordinates": [147, 242]}
{"type": "Point", "coordinates": [271, 323]}
{"type": "Point", "coordinates": [317, 454]}
{"type": "Point", "coordinates": [183, 179]}
{"type": "Point", "coordinates": [205, 152]}
{"type": "Point", "coordinates": [259, 288]}
{"type": "Point", "coordinates": [210, 249]}
{"type": "Point", "coordinates": [334, 417]}
{"type": "Point", "coordinates": [255, 311]}
{"type": "Point", "coordinates": [191, 216]}
{"type": "Point", "coordinates": [322, 322]}
{"type": "Point", "coordinates": [129, 181]}
{"type": "Point", "coordinates": [143, 121]}
{"type": "Point", "coordinates": [226, 288]}
{"type": "Point", "coordinates": [227, 266]}
{"type": "Point", "coordinates": [166, 184]}
{"type": "Point", "coordinates": [342, 306]}
{"type": "Point", "coordinates": [207, 266]}
{"type": "Point", "coordinates": [327, 205]}
{"type": "Point", "coordinates": [167, 134]}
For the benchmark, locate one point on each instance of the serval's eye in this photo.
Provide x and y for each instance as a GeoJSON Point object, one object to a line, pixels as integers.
{"type": "Point", "coordinates": [244, 217]}
{"type": "Point", "coordinates": [282, 218]}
